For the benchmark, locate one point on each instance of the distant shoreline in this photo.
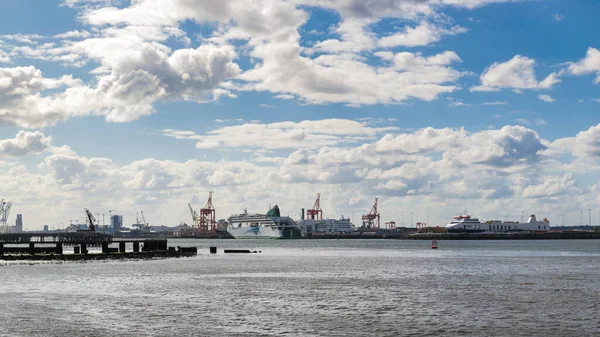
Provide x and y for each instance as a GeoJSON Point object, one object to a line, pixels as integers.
{"type": "Point", "coordinates": [449, 236]}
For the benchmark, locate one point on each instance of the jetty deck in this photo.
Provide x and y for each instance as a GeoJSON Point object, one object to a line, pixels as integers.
{"type": "Point", "coordinates": [53, 243]}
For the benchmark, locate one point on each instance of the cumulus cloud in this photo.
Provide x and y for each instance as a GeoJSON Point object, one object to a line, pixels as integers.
{"type": "Point", "coordinates": [589, 64]}
{"type": "Point", "coordinates": [587, 143]}
{"type": "Point", "coordinates": [516, 73]}
{"type": "Point", "coordinates": [25, 143]}
{"type": "Point", "coordinates": [135, 75]}
{"type": "Point", "coordinates": [552, 187]}
{"type": "Point", "coordinates": [136, 67]}
{"type": "Point", "coordinates": [421, 35]}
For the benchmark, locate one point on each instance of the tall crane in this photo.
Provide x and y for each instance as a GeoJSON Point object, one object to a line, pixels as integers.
{"type": "Point", "coordinates": [208, 218]}
{"type": "Point", "coordinates": [194, 217]}
{"type": "Point", "coordinates": [145, 224]}
{"type": "Point", "coordinates": [5, 207]}
{"type": "Point", "coordinates": [371, 219]}
{"type": "Point", "coordinates": [91, 220]}
{"type": "Point", "coordinates": [316, 213]}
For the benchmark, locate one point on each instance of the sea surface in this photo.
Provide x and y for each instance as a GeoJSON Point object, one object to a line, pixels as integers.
{"type": "Point", "coordinates": [315, 288]}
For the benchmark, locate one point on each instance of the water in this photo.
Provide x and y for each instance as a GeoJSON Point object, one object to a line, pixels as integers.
{"type": "Point", "coordinates": [316, 288]}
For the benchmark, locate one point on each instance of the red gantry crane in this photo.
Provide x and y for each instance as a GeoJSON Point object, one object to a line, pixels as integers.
{"type": "Point", "coordinates": [371, 220]}
{"type": "Point", "coordinates": [208, 219]}
{"type": "Point", "coordinates": [316, 213]}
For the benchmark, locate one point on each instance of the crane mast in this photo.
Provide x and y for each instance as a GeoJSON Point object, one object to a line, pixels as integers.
{"type": "Point", "coordinates": [91, 220]}
{"type": "Point", "coordinates": [194, 216]}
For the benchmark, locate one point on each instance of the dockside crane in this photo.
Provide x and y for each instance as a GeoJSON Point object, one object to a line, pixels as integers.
{"type": "Point", "coordinates": [316, 213]}
{"type": "Point", "coordinates": [91, 220]}
{"type": "Point", "coordinates": [144, 219]}
{"type": "Point", "coordinates": [208, 219]}
{"type": "Point", "coordinates": [194, 216]}
{"type": "Point", "coordinates": [5, 207]}
{"type": "Point", "coordinates": [371, 219]}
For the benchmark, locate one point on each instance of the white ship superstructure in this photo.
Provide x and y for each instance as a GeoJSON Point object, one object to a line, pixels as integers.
{"type": "Point", "coordinates": [464, 223]}
{"type": "Point", "coordinates": [264, 226]}
{"type": "Point", "coordinates": [326, 226]}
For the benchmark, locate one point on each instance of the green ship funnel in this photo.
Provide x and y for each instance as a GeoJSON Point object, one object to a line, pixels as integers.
{"type": "Point", "coordinates": [274, 212]}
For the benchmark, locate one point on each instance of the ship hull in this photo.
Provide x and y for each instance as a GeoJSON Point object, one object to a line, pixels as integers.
{"type": "Point", "coordinates": [264, 233]}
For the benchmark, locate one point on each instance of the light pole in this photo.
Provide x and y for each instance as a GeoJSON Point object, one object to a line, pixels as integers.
{"type": "Point", "coordinates": [590, 217]}
{"type": "Point", "coordinates": [411, 219]}
{"type": "Point", "coordinates": [581, 219]}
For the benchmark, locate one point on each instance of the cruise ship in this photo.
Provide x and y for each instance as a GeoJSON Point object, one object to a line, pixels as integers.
{"type": "Point", "coordinates": [465, 223]}
{"type": "Point", "coordinates": [264, 226]}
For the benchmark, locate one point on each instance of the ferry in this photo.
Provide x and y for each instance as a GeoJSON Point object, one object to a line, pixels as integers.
{"type": "Point", "coordinates": [264, 226]}
{"type": "Point", "coordinates": [465, 223]}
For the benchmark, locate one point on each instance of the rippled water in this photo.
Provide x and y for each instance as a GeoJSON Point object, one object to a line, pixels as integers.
{"type": "Point", "coordinates": [316, 288]}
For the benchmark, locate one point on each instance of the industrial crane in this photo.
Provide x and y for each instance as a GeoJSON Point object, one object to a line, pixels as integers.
{"type": "Point", "coordinates": [91, 220]}
{"type": "Point", "coordinates": [145, 224]}
{"type": "Point", "coordinates": [195, 217]}
{"type": "Point", "coordinates": [4, 211]}
{"type": "Point", "coordinates": [316, 213]}
{"type": "Point", "coordinates": [371, 219]}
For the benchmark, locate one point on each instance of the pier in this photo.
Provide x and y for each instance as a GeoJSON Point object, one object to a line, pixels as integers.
{"type": "Point", "coordinates": [43, 245]}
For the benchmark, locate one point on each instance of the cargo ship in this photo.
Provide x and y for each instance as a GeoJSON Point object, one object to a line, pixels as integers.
{"type": "Point", "coordinates": [264, 226]}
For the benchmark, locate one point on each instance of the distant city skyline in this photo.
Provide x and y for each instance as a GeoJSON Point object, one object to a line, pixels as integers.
{"type": "Point", "coordinates": [434, 107]}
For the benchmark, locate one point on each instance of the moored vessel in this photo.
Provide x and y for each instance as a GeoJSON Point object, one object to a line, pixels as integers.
{"type": "Point", "coordinates": [465, 223]}
{"type": "Point", "coordinates": [264, 226]}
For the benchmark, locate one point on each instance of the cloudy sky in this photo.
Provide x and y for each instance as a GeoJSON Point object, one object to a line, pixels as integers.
{"type": "Point", "coordinates": [434, 106]}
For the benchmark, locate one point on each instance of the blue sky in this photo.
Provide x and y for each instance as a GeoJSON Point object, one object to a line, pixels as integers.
{"type": "Point", "coordinates": [151, 105]}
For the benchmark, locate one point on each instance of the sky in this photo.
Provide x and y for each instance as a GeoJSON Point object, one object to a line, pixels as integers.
{"type": "Point", "coordinates": [436, 107]}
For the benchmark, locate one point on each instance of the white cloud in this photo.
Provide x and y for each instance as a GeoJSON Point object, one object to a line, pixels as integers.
{"type": "Point", "coordinates": [495, 103]}
{"type": "Point", "coordinates": [284, 97]}
{"type": "Point", "coordinates": [558, 17]}
{"type": "Point", "coordinates": [587, 143]}
{"type": "Point", "coordinates": [25, 143]}
{"type": "Point", "coordinates": [422, 35]}
{"type": "Point", "coordinates": [517, 73]}
{"type": "Point", "coordinates": [589, 64]}
{"type": "Point", "coordinates": [136, 74]}
{"type": "Point", "coordinates": [73, 34]}
{"type": "Point", "coordinates": [22, 38]}
{"type": "Point", "coordinates": [344, 79]}
{"type": "Point", "coordinates": [281, 135]}
{"type": "Point", "coordinates": [457, 103]}
{"type": "Point", "coordinates": [546, 98]}
{"type": "Point", "coordinates": [552, 187]}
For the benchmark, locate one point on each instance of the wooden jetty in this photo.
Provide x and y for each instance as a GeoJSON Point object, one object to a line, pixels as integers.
{"type": "Point", "coordinates": [50, 245]}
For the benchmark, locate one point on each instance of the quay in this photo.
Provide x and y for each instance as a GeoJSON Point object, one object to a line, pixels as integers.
{"type": "Point", "coordinates": [50, 246]}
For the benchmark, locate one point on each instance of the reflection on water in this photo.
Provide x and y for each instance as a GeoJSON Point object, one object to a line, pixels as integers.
{"type": "Point", "coordinates": [316, 288]}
